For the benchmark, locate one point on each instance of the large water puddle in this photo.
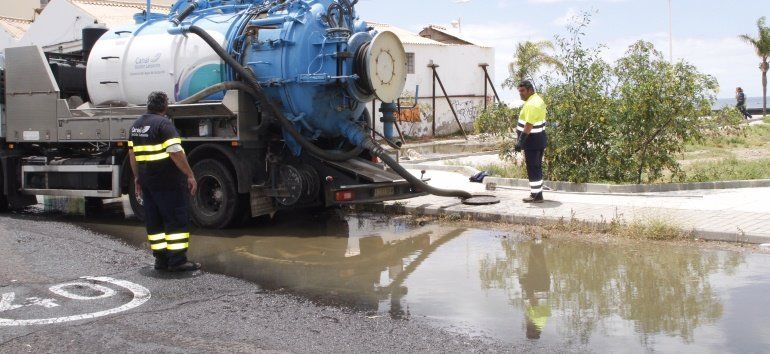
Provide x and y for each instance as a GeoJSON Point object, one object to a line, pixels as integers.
{"type": "Point", "coordinates": [530, 293]}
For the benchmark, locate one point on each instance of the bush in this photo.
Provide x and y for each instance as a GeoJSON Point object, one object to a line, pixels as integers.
{"type": "Point", "coordinates": [498, 121]}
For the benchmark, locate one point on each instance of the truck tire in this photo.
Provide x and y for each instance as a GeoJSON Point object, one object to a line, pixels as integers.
{"type": "Point", "coordinates": [217, 203]}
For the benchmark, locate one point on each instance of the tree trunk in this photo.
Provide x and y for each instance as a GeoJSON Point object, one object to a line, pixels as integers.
{"type": "Point", "coordinates": [764, 88]}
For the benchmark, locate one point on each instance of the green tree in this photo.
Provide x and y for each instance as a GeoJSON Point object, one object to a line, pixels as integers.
{"type": "Point", "coordinates": [658, 107]}
{"type": "Point", "coordinates": [528, 58]}
{"type": "Point", "coordinates": [761, 45]}
{"type": "Point", "coordinates": [579, 108]}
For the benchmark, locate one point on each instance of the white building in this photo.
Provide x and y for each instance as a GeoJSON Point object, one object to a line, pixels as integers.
{"type": "Point", "coordinates": [59, 26]}
{"type": "Point", "coordinates": [458, 67]}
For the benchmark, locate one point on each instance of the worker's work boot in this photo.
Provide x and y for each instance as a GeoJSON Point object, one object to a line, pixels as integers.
{"type": "Point", "coordinates": [185, 267]}
{"type": "Point", "coordinates": [161, 260]}
{"type": "Point", "coordinates": [534, 198]}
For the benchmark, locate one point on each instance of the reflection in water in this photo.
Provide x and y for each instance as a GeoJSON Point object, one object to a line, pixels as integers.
{"type": "Point", "coordinates": [544, 294]}
{"type": "Point", "coordinates": [536, 282]}
{"type": "Point", "coordinates": [660, 291]}
{"type": "Point", "coordinates": [358, 260]}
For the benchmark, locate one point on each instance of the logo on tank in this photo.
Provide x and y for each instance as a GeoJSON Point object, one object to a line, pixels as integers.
{"type": "Point", "coordinates": [148, 65]}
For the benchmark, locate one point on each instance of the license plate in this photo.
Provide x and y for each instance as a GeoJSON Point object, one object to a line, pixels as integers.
{"type": "Point", "coordinates": [384, 192]}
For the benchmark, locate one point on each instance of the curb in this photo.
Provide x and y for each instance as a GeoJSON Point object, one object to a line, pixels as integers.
{"type": "Point", "coordinates": [596, 187]}
{"type": "Point", "coordinates": [452, 157]}
{"type": "Point", "coordinates": [630, 188]}
{"type": "Point", "coordinates": [527, 220]}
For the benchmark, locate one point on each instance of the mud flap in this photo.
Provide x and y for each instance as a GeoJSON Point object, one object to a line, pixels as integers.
{"type": "Point", "coordinates": [261, 202]}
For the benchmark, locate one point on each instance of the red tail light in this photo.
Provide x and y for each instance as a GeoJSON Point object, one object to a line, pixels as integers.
{"type": "Point", "coordinates": [344, 196]}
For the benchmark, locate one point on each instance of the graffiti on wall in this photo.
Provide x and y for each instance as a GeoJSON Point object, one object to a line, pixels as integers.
{"type": "Point", "coordinates": [418, 122]}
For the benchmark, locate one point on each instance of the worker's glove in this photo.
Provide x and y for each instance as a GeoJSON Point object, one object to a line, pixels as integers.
{"type": "Point", "coordinates": [519, 144]}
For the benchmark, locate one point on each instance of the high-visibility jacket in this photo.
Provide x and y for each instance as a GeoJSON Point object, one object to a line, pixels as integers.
{"type": "Point", "coordinates": [152, 137]}
{"type": "Point", "coordinates": [539, 315]}
{"type": "Point", "coordinates": [533, 112]}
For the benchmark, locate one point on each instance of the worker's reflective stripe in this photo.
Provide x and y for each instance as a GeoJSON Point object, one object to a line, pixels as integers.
{"type": "Point", "coordinates": [536, 187]}
{"type": "Point", "coordinates": [177, 246]}
{"type": "Point", "coordinates": [154, 157]}
{"type": "Point", "coordinates": [158, 147]}
{"type": "Point", "coordinates": [536, 128]}
{"type": "Point", "coordinates": [177, 237]}
{"type": "Point", "coordinates": [130, 143]}
{"type": "Point", "coordinates": [158, 246]}
{"type": "Point", "coordinates": [157, 237]}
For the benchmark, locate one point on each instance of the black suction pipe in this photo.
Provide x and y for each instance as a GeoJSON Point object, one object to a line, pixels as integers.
{"type": "Point", "coordinates": [368, 143]}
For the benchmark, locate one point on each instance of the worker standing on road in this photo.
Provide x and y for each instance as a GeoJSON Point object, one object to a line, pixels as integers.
{"type": "Point", "coordinates": [165, 182]}
{"type": "Point", "coordinates": [532, 138]}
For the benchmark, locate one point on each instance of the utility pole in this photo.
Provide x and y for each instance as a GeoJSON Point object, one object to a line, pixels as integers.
{"type": "Point", "coordinates": [670, 33]}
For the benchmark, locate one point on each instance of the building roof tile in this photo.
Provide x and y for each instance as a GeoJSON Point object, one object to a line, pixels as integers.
{"type": "Point", "coordinates": [116, 13]}
{"type": "Point", "coordinates": [16, 27]}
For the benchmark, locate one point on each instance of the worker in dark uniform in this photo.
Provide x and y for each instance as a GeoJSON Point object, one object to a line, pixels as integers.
{"type": "Point", "coordinates": [532, 138]}
{"type": "Point", "coordinates": [165, 182]}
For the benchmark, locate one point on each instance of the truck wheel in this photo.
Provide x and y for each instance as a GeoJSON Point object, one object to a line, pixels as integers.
{"type": "Point", "coordinates": [135, 200]}
{"type": "Point", "coordinates": [216, 205]}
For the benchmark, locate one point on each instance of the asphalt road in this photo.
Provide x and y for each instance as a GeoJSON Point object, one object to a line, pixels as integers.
{"type": "Point", "coordinates": [125, 306]}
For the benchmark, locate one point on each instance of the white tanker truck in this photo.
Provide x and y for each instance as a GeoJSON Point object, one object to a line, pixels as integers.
{"type": "Point", "coordinates": [268, 96]}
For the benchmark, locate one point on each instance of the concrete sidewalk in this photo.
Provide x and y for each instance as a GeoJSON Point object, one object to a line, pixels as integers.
{"type": "Point", "coordinates": [737, 215]}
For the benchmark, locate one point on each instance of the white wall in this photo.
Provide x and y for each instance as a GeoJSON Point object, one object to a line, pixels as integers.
{"type": "Point", "coordinates": [60, 22]}
{"type": "Point", "coordinates": [460, 72]}
{"type": "Point", "coordinates": [6, 40]}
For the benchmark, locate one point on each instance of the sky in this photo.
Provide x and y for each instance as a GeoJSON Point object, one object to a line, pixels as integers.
{"type": "Point", "coordinates": [705, 31]}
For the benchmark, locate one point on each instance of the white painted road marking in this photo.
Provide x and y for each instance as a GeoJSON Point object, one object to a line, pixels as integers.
{"type": "Point", "coordinates": [140, 296]}
{"type": "Point", "coordinates": [6, 302]}
{"type": "Point", "coordinates": [7, 299]}
{"type": "Point", "coordinates": [61, 291]}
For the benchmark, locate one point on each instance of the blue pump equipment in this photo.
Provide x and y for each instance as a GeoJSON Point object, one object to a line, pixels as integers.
{"type": "Point", "coordinates": [312, 64]}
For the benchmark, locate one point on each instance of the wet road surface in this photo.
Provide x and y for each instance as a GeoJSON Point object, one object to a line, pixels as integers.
{"type": "Point", "coordinates": [496, 285]}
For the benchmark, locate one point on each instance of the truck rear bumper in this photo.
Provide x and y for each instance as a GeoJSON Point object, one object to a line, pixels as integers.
{"type": "Point", "coordinates": [370, 193]}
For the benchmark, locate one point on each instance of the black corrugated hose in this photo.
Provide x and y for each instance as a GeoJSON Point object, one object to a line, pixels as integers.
{"type": "Point", "coordinates": [368, 144]}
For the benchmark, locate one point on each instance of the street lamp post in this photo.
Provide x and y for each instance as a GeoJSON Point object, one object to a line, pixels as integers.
{"type": "Point", "coordinates": [670, 32]}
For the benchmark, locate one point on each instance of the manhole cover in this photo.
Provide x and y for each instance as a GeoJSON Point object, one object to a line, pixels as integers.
{"type": "Point", "coordinates": [481, 200]}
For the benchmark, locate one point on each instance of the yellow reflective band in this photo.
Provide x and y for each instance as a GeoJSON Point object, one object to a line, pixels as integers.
{"type": "Point", "coordinates": [156, 157]}
{"type": "Point", "coordinates": [177, 237]}
{"type": "Point", "coordinates": [177, 246]}
{"type": "Point", "coordinates": [158, 246]}
{"type": "Point", "coordinates": [158, 147]}
{"type": "Point", "coordinates": [130, 143]}
{"type": "Point", "coordinates": [156, 237]}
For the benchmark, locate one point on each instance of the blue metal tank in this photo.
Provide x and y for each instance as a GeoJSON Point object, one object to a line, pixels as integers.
{"type": "Point", "coordinates": [315, 57]}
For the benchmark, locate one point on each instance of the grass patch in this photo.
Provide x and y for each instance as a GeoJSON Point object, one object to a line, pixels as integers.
{"type": "Point", "coordinates": [749, 137]}
{"type": "Point", "coordinates": [650, 228]}
{"type": "Point", "coordinates": [656, 229]}
{"type": "Point", "coordinates": [730, 169]}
